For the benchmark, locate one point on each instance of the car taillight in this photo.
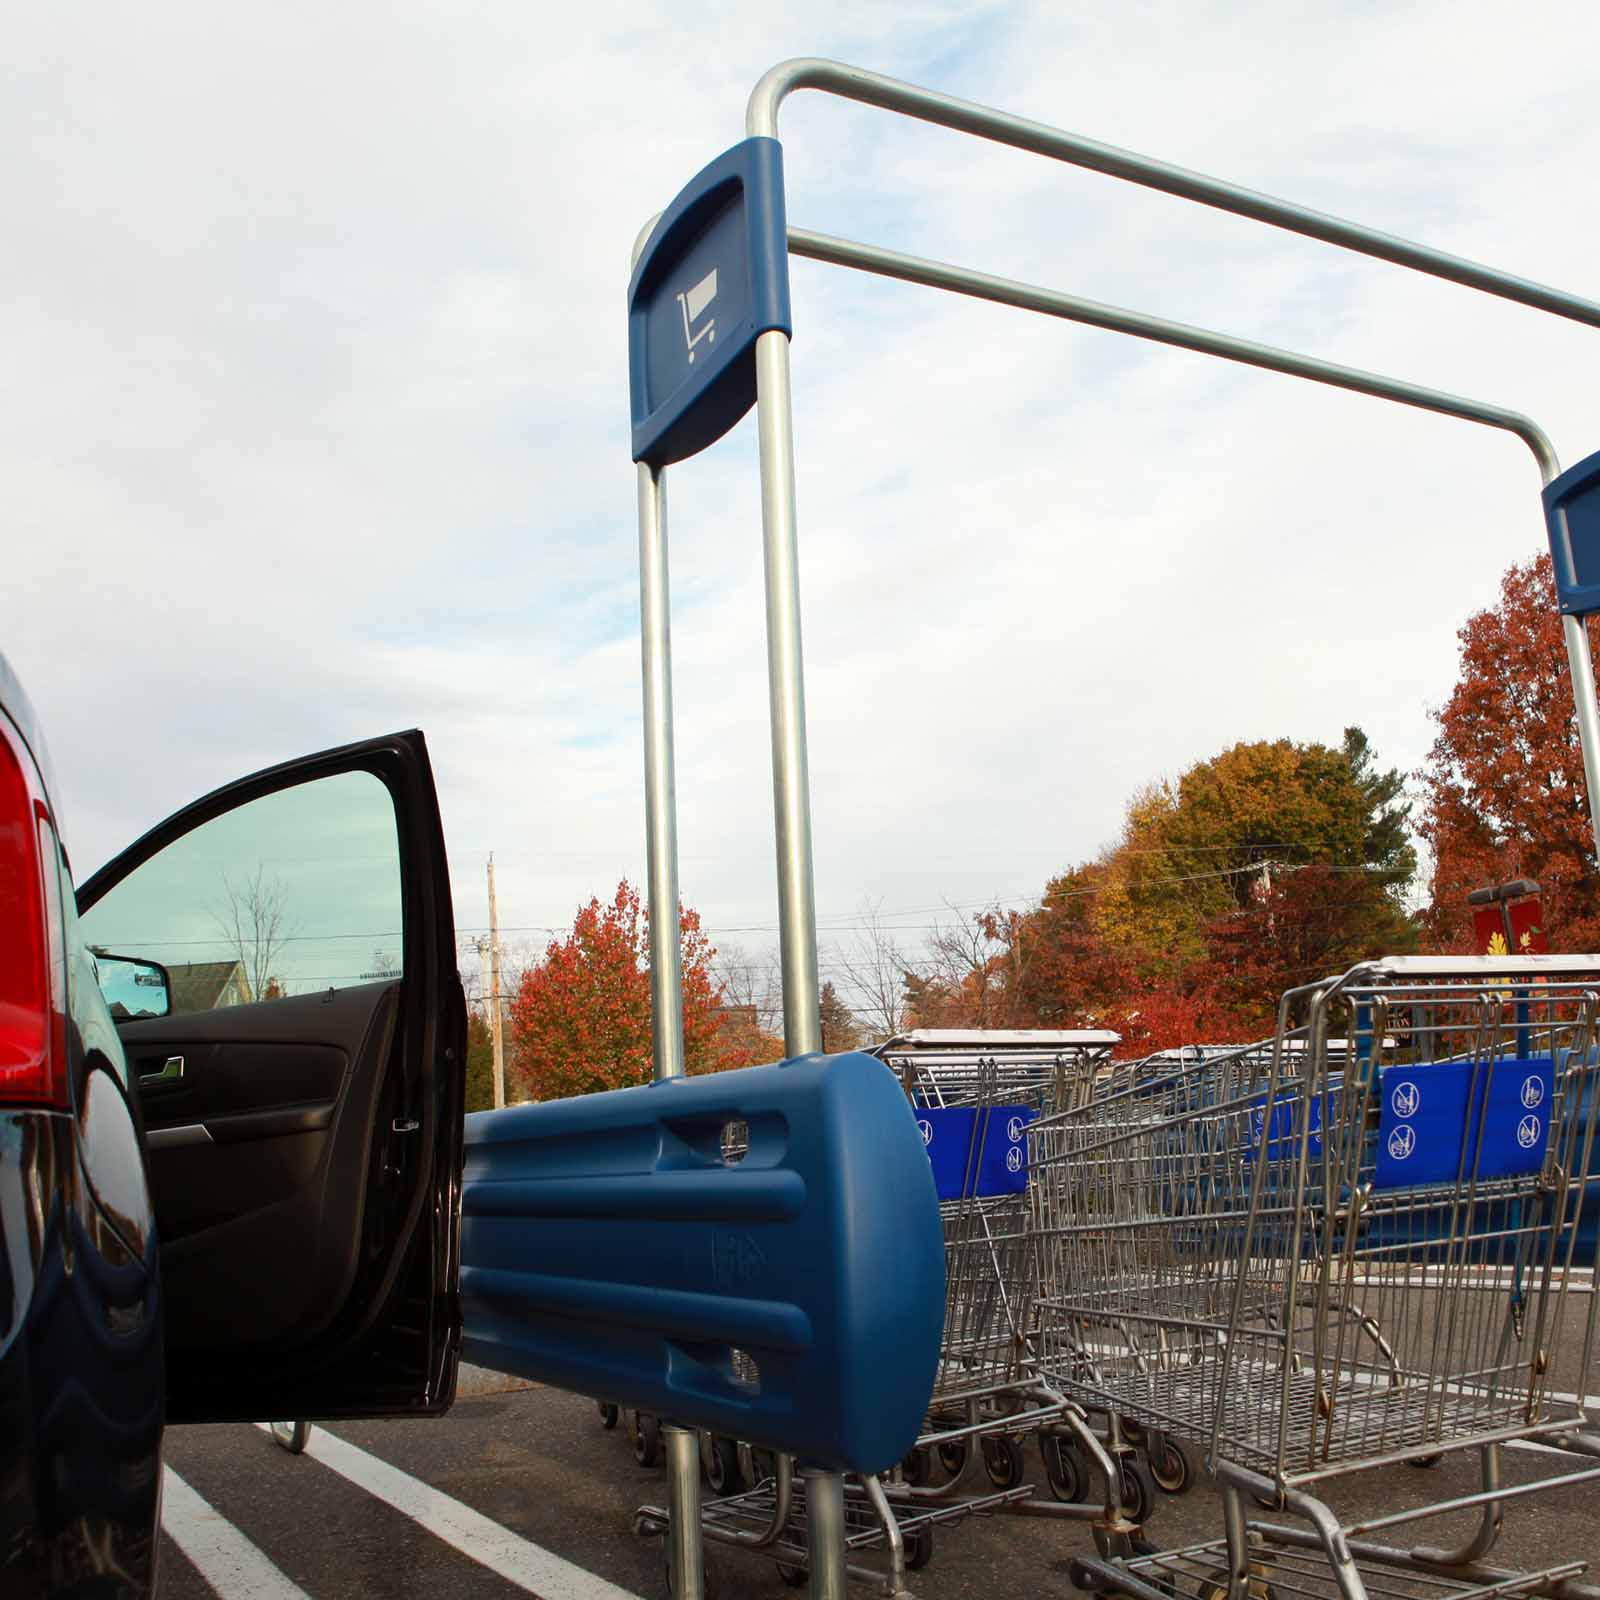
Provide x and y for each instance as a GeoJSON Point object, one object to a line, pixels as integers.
{"type": "Point", "coordinates": [33, 1064]}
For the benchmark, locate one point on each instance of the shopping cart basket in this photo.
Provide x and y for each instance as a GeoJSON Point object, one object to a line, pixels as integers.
{"type": "Point", "coordinates": [1321, 1260]}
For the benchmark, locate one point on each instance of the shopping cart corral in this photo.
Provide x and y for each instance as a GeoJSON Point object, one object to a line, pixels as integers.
{"type": "Point", "coordinates": [1349, 1247]}
{"type": "Point", "coordinates": [974, 1096]}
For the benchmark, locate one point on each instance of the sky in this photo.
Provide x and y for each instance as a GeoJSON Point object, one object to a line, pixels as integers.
{"type": "Point", "coordinates": [317, 419]}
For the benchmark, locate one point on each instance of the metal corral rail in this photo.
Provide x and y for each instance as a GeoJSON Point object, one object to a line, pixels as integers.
{"type": "Point", "coordinates": [1316, 1260]}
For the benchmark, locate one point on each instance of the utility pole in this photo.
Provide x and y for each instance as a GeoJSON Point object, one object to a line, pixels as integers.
{"type": "Point", "coordinates": [496, 1026]}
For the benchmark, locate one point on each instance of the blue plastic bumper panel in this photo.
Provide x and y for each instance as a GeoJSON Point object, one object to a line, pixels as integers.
{"type": "Point", "coordinates": [607, 1247]}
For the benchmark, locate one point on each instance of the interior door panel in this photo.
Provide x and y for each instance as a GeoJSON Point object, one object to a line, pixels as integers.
{"type": "Point", "coordinates": [258, 1154]}
{"type": "Point", "coordinates": [303, 1149]}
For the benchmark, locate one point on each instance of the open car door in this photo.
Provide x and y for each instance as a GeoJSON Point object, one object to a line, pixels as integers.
{"type": "Point", "coordinates": [280, 961]}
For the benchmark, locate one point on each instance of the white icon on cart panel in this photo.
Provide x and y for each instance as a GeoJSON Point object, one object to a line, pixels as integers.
{"type": "Point", "coordinates": [1532, 1090]}
{"type": "Point", "coordinates": [693, 302]}
{"type": "Point", "coordinates": [1528, 1131]}
{"type": "Point", "coordinates": [1406, 1099]}
{"type": "Point", "coordinates": [1014, 1129]}
{"type": "Point", "coordinates": [1402, 1141]}
{"type": "Point", "coordinates": [1014, 1160]}
{"type": "Point", "coordinates": [926, 1129]}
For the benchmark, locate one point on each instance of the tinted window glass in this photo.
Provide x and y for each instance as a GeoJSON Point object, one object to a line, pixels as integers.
{"type": "Point", "coordinates": [292, 893]}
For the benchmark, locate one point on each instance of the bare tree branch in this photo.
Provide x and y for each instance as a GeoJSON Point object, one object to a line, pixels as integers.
{"type": "Point", "coordinates": [255, 926]}
{"type": "Point", "coordinates": [876, 969]}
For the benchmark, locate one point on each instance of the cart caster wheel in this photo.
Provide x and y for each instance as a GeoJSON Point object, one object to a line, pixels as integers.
{"type": "Point", "coordinates": [919, 1548]}
{"type": "Point", "coordinates": [1215, 1586]}
{"type": "Point", "coordinates": [646, 1439]}
{"type": "Point", "coordinates": [953, 1458]}
{"type": "Point", "coordinates": [1065, 1469]}
{"type": "Point", "coordinates": [763, 1466]}
{"type": "Point", "coordinates": [720, 1458]}
{"type": "Point", "coordinates": [1426, 1463]}
{"type": "Point", "coordinates": [292, 1436]}
{"type": "Point", "coordinates": [917, 1468]}
{"type": "Point", "coordinates": [1138, 1497]}
{"type": "Point", "coordinates": [1079, 1575]}
{"type": "Point", "coordinates": [794, 1577]}
{"type": "Point", "coordinates": [1169, 1467]}
{"type": "Point", "coordinates": [1132, 1432]}
{"type": "Point", "coordinates": [1002, 1460]}
{"type": "Point", "coordinates": [610, 1415]}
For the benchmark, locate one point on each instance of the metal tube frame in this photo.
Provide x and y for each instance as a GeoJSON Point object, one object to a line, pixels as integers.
{"type": "Point", "coordinates": [660, 787]}
{"type": "Point", "coordinates": [785, 666]}
{"type": "Point", "coordinates": [964, 116]}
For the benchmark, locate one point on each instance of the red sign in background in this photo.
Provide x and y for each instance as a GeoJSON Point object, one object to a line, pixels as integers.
{"type": "Point", "coordinates": [1527, 928]}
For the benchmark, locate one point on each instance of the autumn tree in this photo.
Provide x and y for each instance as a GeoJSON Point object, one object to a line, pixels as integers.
{"type": "Point", "coordinates": [1216, 842]}
{"type": "Point", "coordinates": [1260, 869]}
{"type": "Point", "coordinates": [580, 1017]}
{"type": "Point", "coordinates": [1504, 785]}
{"type": "Point", "coordinates": [839, 1029]}
{"type": "Point", "coordinates": [480, 1062]}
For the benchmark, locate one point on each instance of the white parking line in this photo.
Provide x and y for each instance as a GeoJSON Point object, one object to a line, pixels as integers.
{"type": "Point", "coordinates": [222, 1555]}
{"type": "Point", "coordinates": [514, 1558]}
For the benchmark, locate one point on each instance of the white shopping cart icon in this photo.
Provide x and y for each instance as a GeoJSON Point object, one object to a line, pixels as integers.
{"type": "Point", "coordinates": [693, 302]}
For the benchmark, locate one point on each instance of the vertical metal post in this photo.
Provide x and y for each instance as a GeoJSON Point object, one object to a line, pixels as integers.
{"type": "Point", "coordinates": [786, 693]}
{"type": "Point", "coordinates": [825, 1535]}
{"type": "Point", "coordinates": [685, 1548]}
{"type": "Point", "coordinates": [496, 1022]}
{"type": "Point", "coordinates": [686, 1571]}
{"type": "Point", "coordinates": [791, 804]}
{"type": "Point", "coordinates": [660, 784]}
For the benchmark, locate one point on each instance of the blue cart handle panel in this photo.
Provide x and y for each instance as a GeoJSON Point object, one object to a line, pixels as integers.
{"type": "Point", "coordinates": [607, 1247]}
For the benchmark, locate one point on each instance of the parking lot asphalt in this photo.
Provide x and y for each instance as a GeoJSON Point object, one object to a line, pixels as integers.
{"type": "Point", "coordinates": [520, 1492]}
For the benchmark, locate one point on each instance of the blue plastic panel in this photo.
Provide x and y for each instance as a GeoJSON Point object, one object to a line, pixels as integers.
{"type": "Point", "coordinates": [607, 1248]}
{"type": "Point", "coordinates": [1281, 1139]}
{"type": "Point", "coordinates": [976, 1151]}
{"type": "Point", "coordinates": [1572, 517]}
{"type": "Point", "coordinates": [712, 278]}
{"type": "Point", "coordinates": [1431, 1117]}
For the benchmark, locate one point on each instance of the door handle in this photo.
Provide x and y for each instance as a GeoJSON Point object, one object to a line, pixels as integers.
{"type": "Point", "coordinates": [172, 1072]}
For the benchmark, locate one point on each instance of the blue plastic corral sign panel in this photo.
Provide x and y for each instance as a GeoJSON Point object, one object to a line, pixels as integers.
{"type": "Point", "coordinates": [1572, 516]}
{"type": "Point", "coordinates": [712, 278]}
{"type": "Point", "coordinates": [1432, 1117]}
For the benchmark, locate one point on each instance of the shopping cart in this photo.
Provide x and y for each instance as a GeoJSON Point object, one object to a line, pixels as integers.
{"type": "Point", "coordinates": [1317, 1260]}
{"type": "Point", "coordinates": [975, 1095]}
{"type": "Point", "coordinates": [1041, 1068]}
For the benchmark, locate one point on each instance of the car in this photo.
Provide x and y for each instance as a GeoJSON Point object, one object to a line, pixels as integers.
{"type": "Point", "coordinates": [231, 1076]}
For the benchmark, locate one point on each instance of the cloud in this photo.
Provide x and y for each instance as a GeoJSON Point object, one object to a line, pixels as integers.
{"type": "Point", "coordinates": [318, 420]}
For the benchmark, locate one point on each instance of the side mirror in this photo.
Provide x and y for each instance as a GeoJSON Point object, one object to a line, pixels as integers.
{"type": "Point", "coordinates": [135, 990]}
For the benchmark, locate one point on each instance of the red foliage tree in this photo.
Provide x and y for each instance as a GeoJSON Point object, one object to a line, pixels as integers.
{"type": "Point", "coordinates": [1505, 795]}
{"type": "Point", "coordinates": [580, 1019]}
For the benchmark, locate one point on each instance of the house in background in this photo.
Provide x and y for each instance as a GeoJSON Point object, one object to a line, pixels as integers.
{"type": "Point", "coordinates": [208, 985]}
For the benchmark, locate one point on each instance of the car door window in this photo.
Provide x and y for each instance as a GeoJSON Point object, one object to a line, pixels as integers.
{"type": "Point", "coordinates": [296, 892]}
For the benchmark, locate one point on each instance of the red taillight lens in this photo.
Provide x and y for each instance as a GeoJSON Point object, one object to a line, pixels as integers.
{"type": "Point", "coordinates": [32, 1033]}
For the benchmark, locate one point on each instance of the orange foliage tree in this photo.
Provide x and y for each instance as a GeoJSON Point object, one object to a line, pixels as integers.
{"type": "Point", "coordinates": [580, 1018]}
{"type": "Point", "coordinates": [1504, 789]}
{"type": "Point", "coordinates": [1267, 866]}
